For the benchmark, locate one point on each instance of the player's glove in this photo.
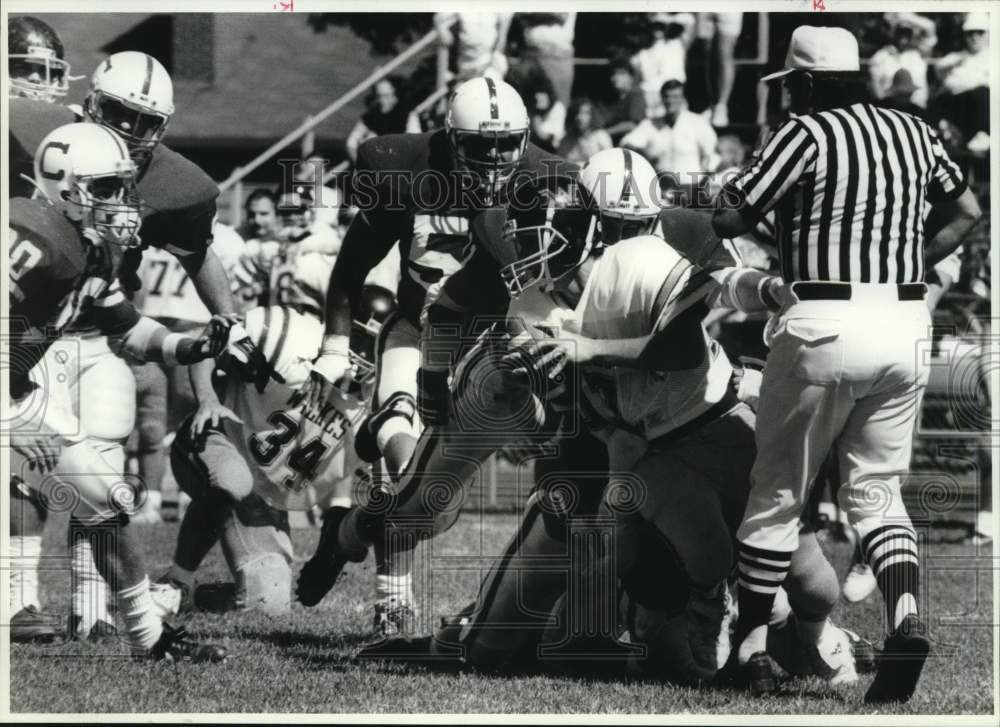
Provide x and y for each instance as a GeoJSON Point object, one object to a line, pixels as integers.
{"type": "Point", "coordinates": [251, 360]}
{"type": "Point", "coordinates": [330, 370]}
{"type": "Point", "coordinates": [209, 344]}
{"type": "Point", "coordinates": [433, 397]}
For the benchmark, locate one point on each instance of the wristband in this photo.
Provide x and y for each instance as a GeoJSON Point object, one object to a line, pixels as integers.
{"type": "Point", "coordinates": [171, 342]}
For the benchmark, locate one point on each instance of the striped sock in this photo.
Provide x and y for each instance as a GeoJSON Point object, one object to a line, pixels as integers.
{"type": "Point", "coordinates": [761, 573]}
{"type": "Point", "coordinates": [891, 551]}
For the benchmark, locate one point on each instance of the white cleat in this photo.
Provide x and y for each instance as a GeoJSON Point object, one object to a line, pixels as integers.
{"type": "Point", "coordinates": [860, 583]}
{"type": "Point", "coordinates": [832, 658]}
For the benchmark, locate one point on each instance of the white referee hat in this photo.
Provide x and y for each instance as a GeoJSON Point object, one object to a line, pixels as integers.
{"type": "Point", "coordinates": [820, 49]}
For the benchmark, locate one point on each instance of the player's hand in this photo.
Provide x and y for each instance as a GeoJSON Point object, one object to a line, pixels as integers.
{"type": "Point", "coordinates": [433, 397]}
{"type": "Point", "coordinates": [318, 389]}
{"type": "Point", "coordinates": [210, 343]}
{"type": "Point", "coordinates": [211, 413]}
{"type": "Point", "coordinates": [251, 359]}
{"type": "Point", "coordinates": [332, 369]}
{"type": "Point", "coordinates": [41, 450]}
{"type": "Point", "coordinates": [551, 352]}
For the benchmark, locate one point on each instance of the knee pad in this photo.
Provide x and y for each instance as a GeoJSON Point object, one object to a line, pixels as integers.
{"type": "Point", "coordinates": [396, 415]}
{"type": "Point", "coordinates": [265, 584]}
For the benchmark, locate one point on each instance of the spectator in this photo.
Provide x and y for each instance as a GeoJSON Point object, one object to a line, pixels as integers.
{"type": "Point", "coordinates": [724, 29]}
{"type": "Point", "coordinates": [478, 41]}
{"type": "Point", "coordinates": [328, 200]}
{"type": "Point", "coordinates": [261, 217]}
{"type": "Point", "coordinates": [548, 41]}
{"type": "Point", "coordinates": [584, 135]}
{"type": "Point", "coordinates": [547, 114]}
{"type": "Point", "coordinates": [900, 54]}
{"type": "Point", "coordinates": [663, 60]}
{"type": "Point", "coordinates": [629, 105]}
{"type": "Point", "coordinates": [680, 143]}
{"type": "Point", "coordinates": [965, 78]}
{"type": "Point", "coordinates": [385, 115]}
{"type": "Point", "coordinates": [900, 94]}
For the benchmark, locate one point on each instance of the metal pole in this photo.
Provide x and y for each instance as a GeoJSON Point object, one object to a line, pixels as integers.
{"type": "Point", "coordinates": [236, 200]}
{"type": "Point", "coordinates": [308, 141]}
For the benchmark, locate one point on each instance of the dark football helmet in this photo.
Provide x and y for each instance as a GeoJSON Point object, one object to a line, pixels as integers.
{"type": "Point", "coordinates": [377, 303]}
{"type": "Point", "coordinates": [547, 233]}
{"type": "Point", "coordinates": [35, 59]}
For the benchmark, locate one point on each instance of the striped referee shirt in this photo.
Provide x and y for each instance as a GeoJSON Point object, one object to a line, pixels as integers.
{"type": "Point", "coordinates": [850, 189]}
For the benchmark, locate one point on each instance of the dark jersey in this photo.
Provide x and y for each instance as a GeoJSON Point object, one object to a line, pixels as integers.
{"type": "Point", "coordinates": [56, 277]}
{"type": "Point", "coordinates": [178, 198]}
{"type": "Point", "coordinates": [408, 189]}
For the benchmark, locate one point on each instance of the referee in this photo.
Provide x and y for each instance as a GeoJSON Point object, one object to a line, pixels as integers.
{"type": "Point", "coordinates": [851, 186]}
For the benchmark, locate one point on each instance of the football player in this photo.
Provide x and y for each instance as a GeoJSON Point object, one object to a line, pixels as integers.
{"type": "Point", "coordinates": [131, 94]}
{"type": "Point", "coordinates": [420, 191]}
{"type": "Point", "coordinates": [624, 325]}
{"type": "Point", "coordinates": [65, 249]}
{"type": "Point", "coordinates": [36, 61]}
{"type": "Point", "coordinates": [247, 456]}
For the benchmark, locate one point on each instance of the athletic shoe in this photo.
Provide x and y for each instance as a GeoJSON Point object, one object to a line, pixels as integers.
{"type": "Point", "coordinates": [175, 646]}
{"type": "Point", "coordinates": [832, 658]}
{"type": "Point", "coordinates": [985, 525]}
{"type": "Point", "coordinates": [758, 675]}
{"type": "Point", "coordinates": [900, 664]}
{"type": "Point", "coordinates": [860, 583]}
{"type": "Point", "coordinates": [393, 617]}
{"type": "Point", "coordinates": [320, 572]}
{"type": "Point", "coordinates": [31, 626]}
{"type": "Point", "coordinates": [865, 653]}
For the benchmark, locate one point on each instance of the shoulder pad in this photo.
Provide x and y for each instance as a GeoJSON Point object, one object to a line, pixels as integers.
{"type": "Point", "coordinates": [541, 162]}
{"type": "Point", "coordinates": [47, 229]}
{"type": "Point", "coordinates": [405, 152]}
{"type": "Point", "coordinates": [173, 182]}
{"type": "Point", "coordinates": [690, 233]}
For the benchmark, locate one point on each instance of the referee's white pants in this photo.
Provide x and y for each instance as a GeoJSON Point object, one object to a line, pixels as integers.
{"type": "Point", "coordinates": [848, 374]}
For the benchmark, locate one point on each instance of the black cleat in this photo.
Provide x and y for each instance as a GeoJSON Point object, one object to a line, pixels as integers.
{"type": "Point", "coordinates": [399, 648]}
{"type": "Point", "coordinates": [758, 675]}
{"type": "Point", "coordinates": [175, 646]}
{"type": "Point", "coordinates": [31, 626]}
{"type": "Point", "coordinates": [102, 631]}
{"type": "Point", "coordinates": [900, 663]}
{"type": "Point", "coordinates": [320, 572]}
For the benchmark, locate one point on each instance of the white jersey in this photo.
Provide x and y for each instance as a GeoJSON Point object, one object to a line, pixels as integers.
{"type": "Point", "coordinates": [290, 274]}
{"type": "Point", "coordinates": [298, 455]}
{"type": "Point", "coordinates": [636, 288]}
{"type": "Point", "coordinates": [168, 293]}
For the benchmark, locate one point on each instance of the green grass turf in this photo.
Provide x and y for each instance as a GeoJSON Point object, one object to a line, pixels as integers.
{"type": "Point", "coordinates": [302, 662]}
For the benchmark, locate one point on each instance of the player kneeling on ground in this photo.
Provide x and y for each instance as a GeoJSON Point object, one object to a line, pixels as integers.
{"type": "Point", "coordinates": [250, 453]}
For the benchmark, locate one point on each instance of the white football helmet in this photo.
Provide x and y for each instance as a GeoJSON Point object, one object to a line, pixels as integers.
{"type": "Point", "coordinates": [86, 172]}
{"type": "Point", "coordinates": [286, 337]}
{"type": "Point", "coordinates": [622, 189]}
{"type": "Point", "coordinates": [487, 126]}
{"type": "Point", "coordinates": [132, 94]}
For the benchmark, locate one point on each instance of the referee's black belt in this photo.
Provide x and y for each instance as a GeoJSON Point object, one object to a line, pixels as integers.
{"type": "Point", "coordinates": [843, 291]}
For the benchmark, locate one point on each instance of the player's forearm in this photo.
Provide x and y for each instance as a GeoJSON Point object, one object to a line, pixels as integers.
{"type": "Point", "coordinates": [210, 280]}
{"type": "Point", "coordinates": [746, 289]}
{"type": "Point", "coordinates": [201, 381]}
{"type": "Point", "coordinates": [364, 246]}
{"type": "Point", "coordinates": [148, 340]}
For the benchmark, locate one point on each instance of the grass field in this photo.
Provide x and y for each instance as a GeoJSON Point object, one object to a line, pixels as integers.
{"type": "Point", "coordinates": [303, 662]}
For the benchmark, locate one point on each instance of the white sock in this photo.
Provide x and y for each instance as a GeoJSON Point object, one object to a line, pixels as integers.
{"type": "Point", "coordinates": [27, 552]}
{"type": "Point", "coordinates": [154, 500]}
{"type": "Point", "coordinates": [90, 592]}
{"type": "Point", "coordinates": [755, 641]}
{"type": "Point", "coordinates": [142, 627]}
{"type": "Point", "coordinates": [398, 587]}
{"type": "Point", "coordinates": [905, 605]}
